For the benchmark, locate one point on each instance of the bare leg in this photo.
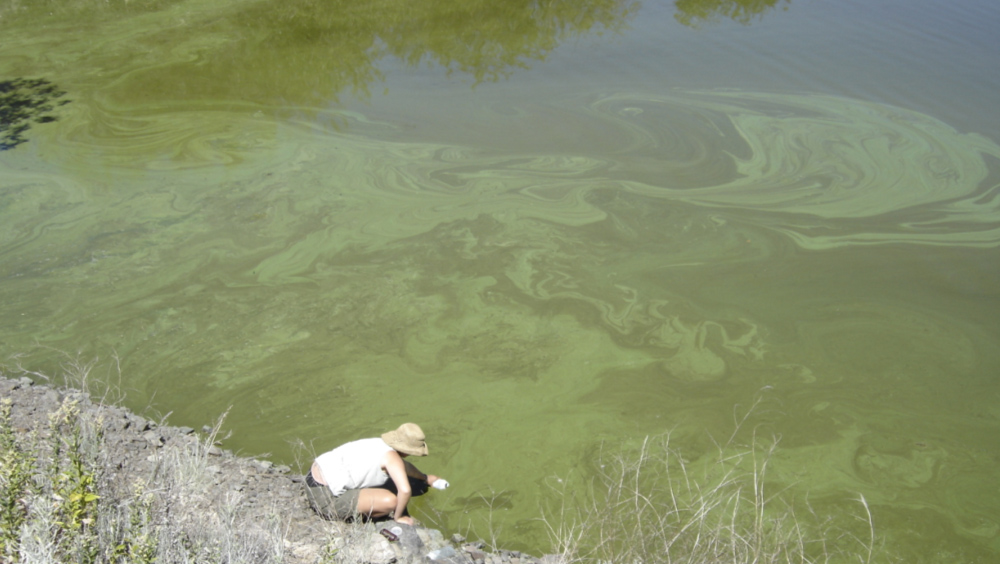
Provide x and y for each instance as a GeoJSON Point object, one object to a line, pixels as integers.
{"type": "Point", "coordinates": [376, 502]}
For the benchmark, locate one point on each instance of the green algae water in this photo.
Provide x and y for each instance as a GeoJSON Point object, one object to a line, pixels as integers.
{"type": "Point", "coordinates": [497, 221]}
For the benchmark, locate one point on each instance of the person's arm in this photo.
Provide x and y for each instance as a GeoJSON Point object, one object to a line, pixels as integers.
{"type": "Point", "coordinates": [397, 471]}
{"type": "Point", "coordinates": [413, 472]}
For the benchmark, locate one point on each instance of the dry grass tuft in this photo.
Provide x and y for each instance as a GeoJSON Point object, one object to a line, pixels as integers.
{"type": "Point", "coordinates": [649, 504]}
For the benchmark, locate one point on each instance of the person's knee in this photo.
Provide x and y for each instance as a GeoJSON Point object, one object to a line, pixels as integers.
{"type": "Point", "coordinates": [387, 501]}
{"type": "Point", "coordinates": [377, 502]}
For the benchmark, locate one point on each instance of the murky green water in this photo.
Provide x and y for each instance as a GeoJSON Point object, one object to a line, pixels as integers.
{"type": "Point", "coordinates": [532, 228]}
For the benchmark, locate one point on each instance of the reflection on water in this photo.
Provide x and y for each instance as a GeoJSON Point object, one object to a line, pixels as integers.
{"type": "Point", "coordinates": [23, 101]}
{"type": "Point", "coordinates": [305, 52]}
{"type": "Point", "coordinates": [695, 12]}
{"type": "Point", "coordinates": [576, 269]}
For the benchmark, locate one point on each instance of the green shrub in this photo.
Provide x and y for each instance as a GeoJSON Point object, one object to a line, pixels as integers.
{"type": "Point", "coordinates": [17, 487]}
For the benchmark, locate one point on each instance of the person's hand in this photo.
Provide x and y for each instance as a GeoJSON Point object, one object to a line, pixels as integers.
{"type": "Point", "coordinates": [437, 482]}
{"type": "Point", "coordinates": [406, 520]}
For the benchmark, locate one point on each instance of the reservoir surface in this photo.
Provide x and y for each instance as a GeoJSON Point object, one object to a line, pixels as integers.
{"type": "Point", "coordinates": [542, 230]}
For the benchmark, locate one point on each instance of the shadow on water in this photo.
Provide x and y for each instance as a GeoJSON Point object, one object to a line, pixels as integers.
{"type": "Point", "coordinates": [23, 101]}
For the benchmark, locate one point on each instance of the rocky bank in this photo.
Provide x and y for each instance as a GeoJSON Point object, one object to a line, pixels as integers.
{"type": "Point", "coordinates": [134, 448]}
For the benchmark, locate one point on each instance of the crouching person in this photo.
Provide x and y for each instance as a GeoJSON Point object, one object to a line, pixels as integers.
{"type": "Point", "coordinates": [370, 477]}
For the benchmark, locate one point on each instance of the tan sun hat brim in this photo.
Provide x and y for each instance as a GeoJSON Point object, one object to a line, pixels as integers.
{"type": "Point", "coordinates": [407, 439]}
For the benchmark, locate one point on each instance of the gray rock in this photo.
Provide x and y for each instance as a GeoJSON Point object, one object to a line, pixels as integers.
{"type": "Point", "coordinates": [370, 549]}
{"type": "Point", "coordinates": [305, 552]}
{"type": "Point", "coordinates": [446, 554]}
{"type": "Point", "coordinates": [475, 553]}
{"type": "Point", "coordinates": [409, 536]}
{"type": "Point", "coordinates": [432, 538]}
{"type": "Point", "coordinates": [137, 423]}
{"type": "Point", "coordinates": [78, 396]}
{"type": "Point", "coordinates": [153, 438]}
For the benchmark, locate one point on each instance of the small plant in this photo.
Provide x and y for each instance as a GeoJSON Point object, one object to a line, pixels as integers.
{"type": "Point", "coordinates": [74, 486]}
{"type": "Point", "coordinates": [138, 543]}
{"type": "Point", "coordinates": [17, 466]}
{"type": "Point", "coordinates": [56, 501]}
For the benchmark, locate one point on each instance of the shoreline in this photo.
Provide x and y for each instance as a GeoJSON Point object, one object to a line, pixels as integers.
{"type": "Point", "coordinates": [133, 451]}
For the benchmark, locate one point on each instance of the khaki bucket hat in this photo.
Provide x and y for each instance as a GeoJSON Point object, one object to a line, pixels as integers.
{"type": "Point", "coordinates": [407, 439]}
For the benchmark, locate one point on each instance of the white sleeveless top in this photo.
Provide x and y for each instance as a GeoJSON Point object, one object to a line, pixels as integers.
{"type": "Point", "coordinates": [354, 465]}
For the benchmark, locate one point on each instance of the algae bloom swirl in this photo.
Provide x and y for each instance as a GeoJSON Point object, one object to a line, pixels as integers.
{"type": "Point", "coordinates": [890, 174]}
{"type": "Point", "coordinates": [824, 170]}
